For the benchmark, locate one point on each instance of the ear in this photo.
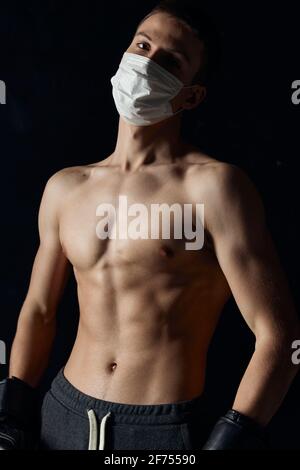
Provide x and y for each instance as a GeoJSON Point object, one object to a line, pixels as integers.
{"type": "Point", "coordinates": [194, 96]}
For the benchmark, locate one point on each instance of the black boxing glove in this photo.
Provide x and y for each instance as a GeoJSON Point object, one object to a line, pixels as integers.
{"type": "Point", "coordinates": [18, 423]}
{"type": "Point", "coordinates": [235, 431]}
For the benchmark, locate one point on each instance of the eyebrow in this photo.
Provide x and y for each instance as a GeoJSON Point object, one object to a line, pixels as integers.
{"type": "Point", "coordinates": [178, 51]}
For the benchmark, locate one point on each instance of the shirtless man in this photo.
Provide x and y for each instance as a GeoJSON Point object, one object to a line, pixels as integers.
{"type": "Point", "coordinates": [149, 307]}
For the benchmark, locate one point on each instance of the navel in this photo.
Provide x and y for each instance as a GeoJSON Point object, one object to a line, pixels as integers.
{"type": "Point", "coordinates": [112, 366]}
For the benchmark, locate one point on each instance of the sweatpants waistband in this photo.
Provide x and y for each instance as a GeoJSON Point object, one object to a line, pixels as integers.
{"type": "Point", "coordinates": [165, 413]}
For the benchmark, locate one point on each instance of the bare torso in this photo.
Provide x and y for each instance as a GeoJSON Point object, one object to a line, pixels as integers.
{"type": "Point", "coordinates": [148, 308]}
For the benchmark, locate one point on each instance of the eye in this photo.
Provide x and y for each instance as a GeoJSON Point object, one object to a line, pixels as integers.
{"type": "Point", "coordinates": [143, 43]}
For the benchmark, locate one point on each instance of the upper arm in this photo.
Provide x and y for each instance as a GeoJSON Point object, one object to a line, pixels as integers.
{"type": "Point", "coordinates": [51, 267]}
{"type": "Point", "coordinates": [245, 250]}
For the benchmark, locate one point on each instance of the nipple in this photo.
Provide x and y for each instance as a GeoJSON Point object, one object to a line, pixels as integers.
{"type": "Point", "coordinates": [166, 251]}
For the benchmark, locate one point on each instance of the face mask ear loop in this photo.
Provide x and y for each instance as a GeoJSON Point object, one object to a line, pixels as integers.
{"type": "Point", "coordinates": [178, 111]}
{"type": "Point", "coordinates": [183, 109]}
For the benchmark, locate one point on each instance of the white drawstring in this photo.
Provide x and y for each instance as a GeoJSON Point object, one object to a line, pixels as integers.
{"type": "Point", "coordinates": [102, 431]}
{"type": "Point", "coordinates": [94, 430]}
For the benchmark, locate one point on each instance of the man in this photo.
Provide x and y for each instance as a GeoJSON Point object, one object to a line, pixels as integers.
{"type": "Point", "coordinates": [149, 306]}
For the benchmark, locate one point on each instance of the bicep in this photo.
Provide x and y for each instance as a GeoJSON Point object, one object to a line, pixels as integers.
{"type": "Point", "coordinates": [51, 267]}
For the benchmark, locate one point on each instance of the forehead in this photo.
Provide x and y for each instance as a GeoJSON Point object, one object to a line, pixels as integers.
{"type": "Point", "coordinates": [167, 31]}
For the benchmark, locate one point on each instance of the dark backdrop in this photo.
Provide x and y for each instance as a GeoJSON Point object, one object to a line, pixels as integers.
{"type": "Point", "coordinates": [57, 59]}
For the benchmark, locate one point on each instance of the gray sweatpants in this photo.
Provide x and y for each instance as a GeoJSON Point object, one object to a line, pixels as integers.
{"type": "Point", "coordinates": [72, 420]}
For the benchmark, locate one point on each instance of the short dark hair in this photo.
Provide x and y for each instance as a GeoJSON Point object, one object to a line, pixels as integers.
{"type": "Point", "coordinates": [201, 23]}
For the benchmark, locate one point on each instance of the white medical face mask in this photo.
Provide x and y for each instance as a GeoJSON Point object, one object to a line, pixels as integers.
{"type": "Point", "coordinates": [142, 90]}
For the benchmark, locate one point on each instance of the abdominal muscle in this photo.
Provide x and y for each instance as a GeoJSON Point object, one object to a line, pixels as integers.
{"type": "Point", "coordinates": [145, 344]}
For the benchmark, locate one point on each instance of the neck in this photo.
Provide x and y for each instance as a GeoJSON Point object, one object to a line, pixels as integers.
{"type": "Point", "coordinates": [143, 145]}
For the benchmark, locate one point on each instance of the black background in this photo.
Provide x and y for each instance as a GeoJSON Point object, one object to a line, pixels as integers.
{"type": "Point", "coordinates": [57, 59]}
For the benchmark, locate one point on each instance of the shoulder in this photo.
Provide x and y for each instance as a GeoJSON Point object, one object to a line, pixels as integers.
{"type": "Point", "coordinates": [62, 182]}
{"type": "Point", "coordinates": [217, 179]}
{"type": "Point", "coordinates": [68, 176]}
{"type": "Point", "coordinates": [60, 186]}
{"type": "Point", "coordinates": [226, 191]}
{"type": "Point", "coordinates": [201, 165]}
